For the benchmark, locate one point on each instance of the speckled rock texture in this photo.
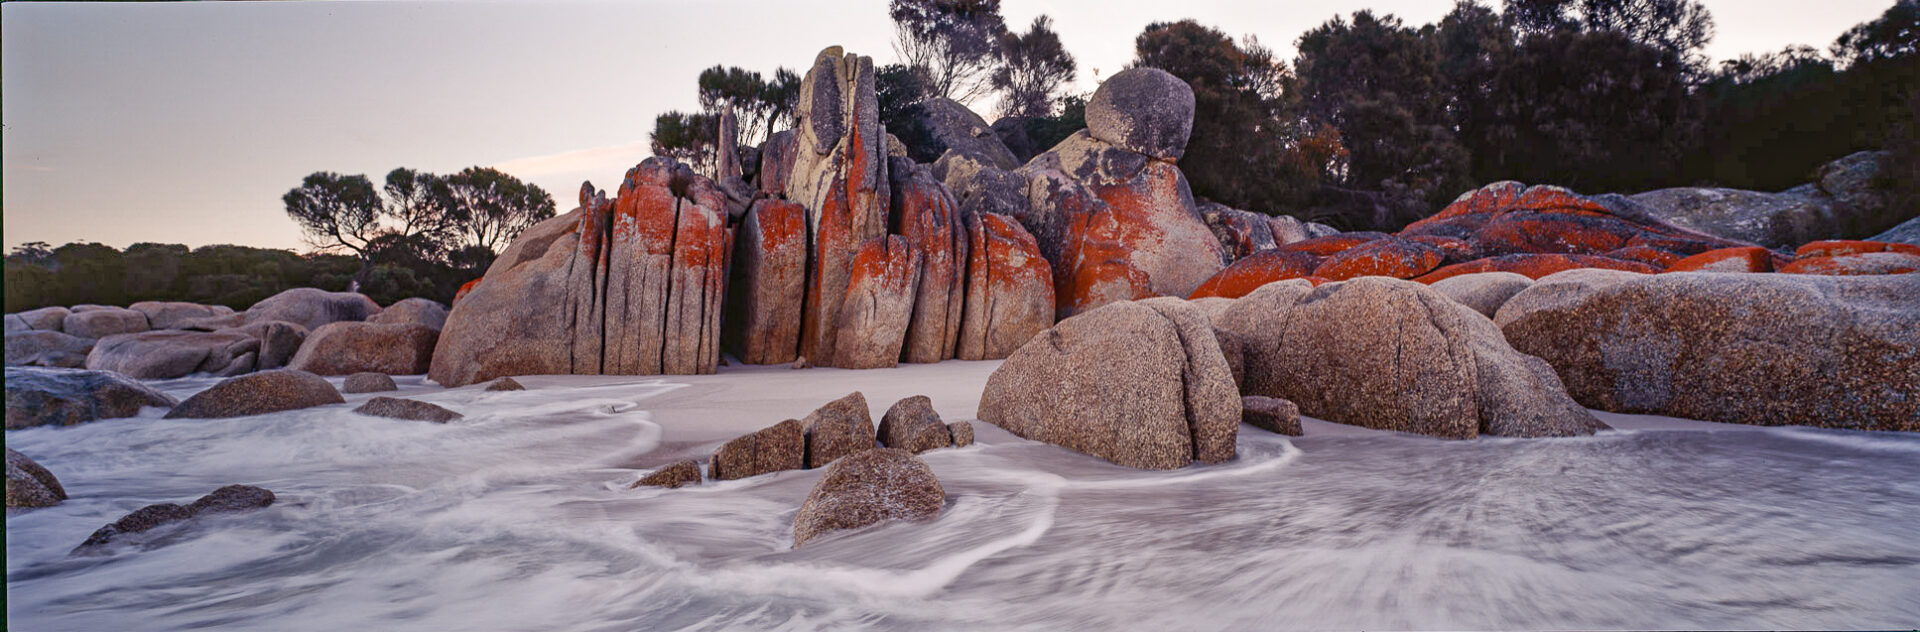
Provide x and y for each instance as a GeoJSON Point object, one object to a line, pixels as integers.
{"type": "Point", "coordinates": [778, 447]}
{"type": "Point", "coordinates": [406, 409]}
{"type": "Point", "coordinates": [1485, 292]}
{"type": "Point", "coordinates": [962, 433]}
{"type": "Point", "coordinates": [1009, 288]}
{"type": "Point", "coordinates": [769, 283]}
{"type": "Point", "coordinates": [869, 488]}
{"type": "Point", "coordinates": [368, 383]}
{"type": "Point", "coordinates": [912, 425]}
{"type": "Point", "coordinates": [505, 384]}
{"type": "Point", "coordinates": [1144, 110]}
{"type": "Point", "coordinates": [176, 315]}
{"type": "Point", "coordinates": [841, 427]}
{"type": "Point", "coordinates": [1271, 414]}
{"type": "Point", "coordinates": [311, 308]}
{"type": "Point", "coordinates": [1396, 355]}
{"type": "Point", "coordinates": [29, 484]}
{"type": "Point", "coordinates": [672, 476]}
{"type": "Point", "coordinates": [839, 173]}
{"type": "Point", "coordinates": [1763, 349]}
{"type": "Point", "coordinates": [345, 348]}
{"type": "Point", "coordinates": [258, 393]}
{"type": "Point", "coordinates": [63, 397]}
{"type": "Point", "coordinates": [232, 498]}
{"type": "Point", "coordinates": [872, 325]}
{"type": "Point", "coordinates": [419, 311]}
{"type": "Point", "coordinates": [36, 347]}
{"type": "Point", "coordinates": [927, 216]}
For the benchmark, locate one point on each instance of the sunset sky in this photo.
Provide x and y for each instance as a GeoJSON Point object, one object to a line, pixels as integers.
{"type": "Point", "coordinates": [186, 122]}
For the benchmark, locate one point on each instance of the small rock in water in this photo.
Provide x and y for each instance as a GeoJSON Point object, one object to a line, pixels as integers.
{"type": "Point", "coordinates": [369, 383]}
{"type": "Point", "coordinates": [912, 425]}
{"type": "Point", "coordinates": [29, 484]}
{"type": "Point", "coordinates": [258, 393]}
{"type": "Point", "coordinates": [408, 409]}
{"type": "Point", "coordinates": [232, 498]}
{"type": "Point", "coordinates": [1272, 414]}
{"type": "Point", "coordinates": [678, 474]}
{"type": "Point", "coordinates": [227, 499]}
{"type": "Point", "coordinates": [962, 432]}
{"type": "Point", "coordinates": [778, 447]}
{"type": "Point", "coordinates": [800, 363]}
{"type": "Point", "coordinates": [505, 384]}
{"type": "Point", "coordinates": [840, 428]}
{"type": "Point", "coordinates": [867, 488]}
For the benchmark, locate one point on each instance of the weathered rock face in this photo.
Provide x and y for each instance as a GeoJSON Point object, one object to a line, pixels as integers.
{"type": "Point", "coordinates": [176, 315]}
{"type": "Point", "coordinates": [1764, 349]}
{"type": "Point", "coordinates": [258, 393]}
{"type": "Point", "coordinates": [769, 283]}
{"type": "Point", "coordinates": [1396, 355]}
{"type": "Point", "coordinates": [1247, 275]}
{"type": "Point", "coordinates": [100, 323]}
{"type": "Point", "coordinates": [627, 286]}
{"type": "Point", "coordinates": [840, 428]}
{"type": "Point", "coordinates": [1509, 218]}
{"type": "Point", "coordinates": [1535, 266]}
{"type": "Point", "coordinates": [232, 498]}
{"type": "Point", "coordinates": [1009, 288]}
{"type": "Point", "coordinates": [1141, 385]}
{"type": "Point", "coordinates": [29, 484]}
{"type": "Point", "coordinates": [311, 308]}
{"type": "Point", "coordinates": [1115, 225]}
{"type": "Point", "coordinates": [1330, 245]}
{"type": "Point", "coordinates": [1746, 259]}
{"type": "Point", "coordinates": [962, 433]}
{"type": "Point", "coordinates": [345, 348]}
{"type": "Point", "coordinates": [869, 488]}
{"type": "Point", "coordinates": [1288, 229]}
{"type": "Point", "coordinates": [1241, 233]}
{"type": "Point", "coordinates": [159, 355]}
{"type": "Point", "coordinates": [1391, 257]}
{"type": "Point", "coordinates": [279, 341]}
{"type": "Point", "coordinates": [1853, 258]}
{"type": "Point", "coordinates": [406, 409]}
{"type": "Point", "coordinates": [674, 476]}
{"type": "Point", "coordinates": [951, 127]}
{"type": "Point", "coordinates": [777, 447]}
{"type": "Point", "coordinates": [872, 325]}
{"type": "Point", "coordinates": [1907, 232]}
{"type": "Point", "coordinates": [1774, 220]}
{"type": "Point", "coordinates": [43, 319]}
{"type": "Point", "coordinates": [912, 425]}
{"type": "Point", "coordinates": [840, 175]}
{"type": "Point", "coordinates": [418, 311]}
{"type": "Point", "coordinates": [1485, 292]}
{"type": "Point", "coordinates": [1143, 110]}
{"type": "Point", "coordinates": [57, 397]}
{"type": "Point", "coordinates": [368, 383]}
{"type": "Point", "coordinates": [1271, 414]}
{"type": "Point", "coordinates": [926, 215]}
{"type": "Point", "coordinates": [47, 348]}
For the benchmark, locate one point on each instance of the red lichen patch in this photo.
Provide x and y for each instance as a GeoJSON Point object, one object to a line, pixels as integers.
{"type": "Point", "coordinates": [1841, 247]}
{"type": "Point", "coordinates": [1535, 266]}
{"type": "Point", "coordinates": [1528, 232]}
{"type": "Point", "coordinates": [1317, 281]}
{"type": "Point", "coordinates": [1332, 244]}
{"type": "Point", "coordinates": [1745, 259]}
{"type": "Point", "coordinates": [465, 288]}
{"type": "Point", "coordinates": [1392, 257]}
{"type": "Point", "coordinates": [1646, 254]}
{"type": "Point", "coordinates": [1856, 264]}
{"type": "Point", "coordinates": [1457, 250]}
{"type": "Point", "coordinates": [1261, 268]}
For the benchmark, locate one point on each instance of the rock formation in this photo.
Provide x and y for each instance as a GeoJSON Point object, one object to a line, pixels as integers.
{"type": "Point", "coordinates": [769, 283]}
{"type": "Point", "coordinates": [672, 476]}
{"type": "Point", "coordinates": [158, 355]}
{"type": "Point", "coordinates": [232, 498]}
{"type": "Point", "coordinates": [1485, 292]}
{"type": "Point", "coordinates": [1009, 288]}
{"type": "Point", "coordinates": [100, 323]}
{"type": "Point", "coordinates": [912, 425]}
{"type": "Point", "coordinates": [418, 311]}
{"type": "Point", "coordinates": [873, 322]}
{"type": "Point", "coordinates": [58, 397]}
{"type": "Point", "coordinates": [1271, 414]}
{"type": "Point", "coordinates": [345, 348]}
{"type": "Point", "coordinates": [258, 393]}
{"type": "Point", "coordinates": [839, 173]}
{"type": "Point", "coordinates": [778, 447]}
{"type": "Point", "coordinates": [29, 484]}
{"type": "Point", "coordinates": [869, 488]}
{"type": "Point", "coordinates": [368, 382]}
{"type": "Point", "coordinates": [841, 427]}
{"type": "Point", "coordinates": [926, 215]}
{"type": "Point", "coordinates": [406, 409]}
{"type": "Point", "coordinates": [311, 308]}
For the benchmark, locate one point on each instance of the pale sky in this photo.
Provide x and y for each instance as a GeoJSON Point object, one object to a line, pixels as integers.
{"type": "Point", "coordinates": [186, 122]}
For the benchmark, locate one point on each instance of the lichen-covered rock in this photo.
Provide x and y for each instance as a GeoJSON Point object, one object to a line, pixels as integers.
{"type": "Point", "coordinates": [257, 394]}
{"type": "Point", "coordinates": [841, 427]}
{"type": "Point", "coordinates": [311, 308]}
{"type": "Point", "coordinates": [1009, 288]}
{"type": "Point", "coordinates": [345, 348]}
{"type": "Point", "coordinates": [839, 174]}
{"type": "Point", "coordinates": [159, 355]}
{"type": "Point", "coordinates": [368, 382]}
{"type": "Point", "coordinates": [1271, 414]}
{"type": "Point", "coordinates": [29, 484]}
{"type": "Point", "coordinates": [1132, 383]}
{"type": "Point", "coordinates": [100, 323]}
{"type": "Point", "coordinates": [1764, 349]}
{"type": "Point", "coordinates": [1261, 268]}
{"type": "Point", "coordinates": [407, 409]}
{"type": "Point", "coordinates": [1396, 355]}
{"type": "Point", "coordinates": [47, 348]}
{"type": "Point", "coordinates": [769, 283]}
{"type": "Point", "coordinates": [912, 425]}
{"type": "Point", "coordinates": [1485, 292]}
{"type": "Point", "coordinates": [872, 326]}
{"type": "Point", "coordinates": [1742, 259]}
{"type": "Point", "coordinates": [176, 315]}
{"type": "Point", "coordinates": [61, 397]}
{"type": "Point", "coordinates": [1843, 247]}
{"type": "Point", "coordinates": [672, 476]}
{"type": "Point", "coordinates": [419, 311]}
{"type": "Point", "coordinates": [950, 127]}
{"type": "Point", "coordinates": [1645, 254]}
{"type": "Point", "coordinates": [926, 215]}
{"type": "Point", "coordinates": [1391, 257]}
{"type": "Point", "coordinates": [778, 447]}
{"type": "Point", "coordinates": [962, 433]}
{"type": "Point", "coordinates": [462, 292]}
{"type": "Point", "coordinates": [1143, 110]}
{"type": "Point", "coordinates": [1330, 245]}
{"type": "Point", "coordinates": [505, 384]}
{"type": "Point", "coordinates": [869, 488]}
{"type": "Point", "coordinates": [1535, 266]}
{"type": "Point", "coordinates": [1241, 233]}
{"type": "Point", "coordinates": [1506, 218]}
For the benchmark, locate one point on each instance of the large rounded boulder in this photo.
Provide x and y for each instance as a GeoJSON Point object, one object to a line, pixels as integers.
{"type": "Point", "coordinates": [29, 484]}
{"type": "Point", "coordinates": [312, 307]}
{"type": "Point", "coordinates": [419, 311]}
{"type": "Point", "coordinates": [1144, 110]}
{"type": "Point", "coordinates": [345, 348]}
{"type": "Point", "coordinates": [60, 397]}
{"type": "Point", "coordinates": [47, 348]}
{"type": "Point", "coordinates": [869, 488]}
{"type": "Point", "coordinates": [100, 323]}
{"type": "Point", "coordinates": [258, 394]}
{"type": "Point", "coordinates": [167, 354]}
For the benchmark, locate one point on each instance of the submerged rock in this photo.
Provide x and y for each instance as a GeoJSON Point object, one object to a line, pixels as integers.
{"type": "Point", "coordinates": [505, 384]}
{"type": "Point", "coordinates": [841, 427]}
{"type": "Point", "coordinates": [368, 383]}
{"type": "Point", "coordinates": [912, 425]}
{"type": "Point", "coordinates": [231, 498]}
{"type": "Point", "coordinates": [869, 488]}
{"type": "Point", "coordinates": [29, 484]}
{"type": "Point", "coordinates": [258, 393]}
{"type": "Point", "coordinates": [778, 447]}
{"type": "Point", "coordinates": [407, 409]}
{"type": "Point", "coordinates": [962, 432]}
{"type": "Point", "coordinates": [672, 476]}
{"type": "Point", "coordinates": [60, 397]}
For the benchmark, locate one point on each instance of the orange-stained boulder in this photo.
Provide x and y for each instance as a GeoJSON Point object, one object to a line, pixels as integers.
{"type": "Point", "coordinates": [1009, 288]}
{"type": "Point", "coordinates": [927, 216]}
{"type": "Point", "coordinates": [1746, 259]}
{"type": "Point", "coordinates": [1840, 247]}
{"type": "Point", "coordinates": [879, 304]}
{"type": "Point", "coordinates": [1261, 268]}
{"type": "Point", "coordinates": [1334, 244]}
{"type": "Point", "coordinates": [839, 174]}
{"type": "Point", "coordinates": [1391, 257]}
{"type": "Point", "coordinates": [1535, 266]}
{"type": "Point", "coordinates": [1856, 264]}
{"type": "Point", "coordinates": [1646, 254]}
{"type": "Point", "coordinates": [1511, 218]}
{"type": "Point", "coordinates": [769, 283]}
{"type": "Point", "coordinates": [1241, 233]}
{"type": "Point", "coordinates": [1457, 250]}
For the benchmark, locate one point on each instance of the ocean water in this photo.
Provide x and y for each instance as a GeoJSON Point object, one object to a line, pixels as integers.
{"type": "Point", "coordinates": [518, 518]}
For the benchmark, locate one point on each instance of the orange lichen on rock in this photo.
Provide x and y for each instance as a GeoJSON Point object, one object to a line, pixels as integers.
{"type": "Point", "coordinates": [1534, 266]}
{"type": "Point", "coordinates": [465, 288]}
{"type": "Point", "coordinates": [1856, 264]}
{"type": "Point", "coordinates": [1332, 244]}
{"type": "Point", "coordinates": [1391, 257]}
{"type": "Point", "coordinates": [1744, 259]}
{"type": "Point", "coordinates": [1261, 268]}
{"type": "Point", "coordinates": [1841, 247]}
{"type": "Point", "coordinates": [1646, 254]}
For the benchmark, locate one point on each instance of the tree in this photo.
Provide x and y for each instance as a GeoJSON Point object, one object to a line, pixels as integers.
{"type": "Point", "coordinates": [1035, 69]}
{"type": "Point", "coordinates": [1680, 27]}
{"type": "Point", "coordinates": [1474, 44]}
{"type": "Point", "coordinates": [421, 205]}
{"type": "Point", "coordinates": [336, 212]}
{"type": "Point", "coordinates": [761, 106]}
{"type": "Point", "coordinates": [492, 208]}
{"type": "Point", "coordinates": [689, 138]}
{"type": "Point", "coordinates": [953, 44]}
{"type": "Point", "coordinates": [1379, 83]}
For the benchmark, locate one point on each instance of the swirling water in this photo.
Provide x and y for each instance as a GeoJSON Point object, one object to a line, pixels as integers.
{"type": "Point", "coordinates": [518, 518]}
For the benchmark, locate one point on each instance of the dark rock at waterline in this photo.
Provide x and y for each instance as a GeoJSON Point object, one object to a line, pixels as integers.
{"type": "Point", "coordinates": [47, 348]}
{"type": "Point", "coordinates": [258, 393]}
{"type": "Point", "coordinates": [505, 384]}
{"type": "Point", "coordinates": [418, 311]}
{"type": "Point", "coordinates": [231, 498]}
{"type": "Point", "coordinates": [369, 383]}
{"type": "Point", "coordinates": [772, 449]}
{"type": "Point", "coordinates": [407, 409]}
{"type": "Point", "coordinates": [868, 488]}
{"type": "Point", "coordinates": [675, 475]}
{"type": "Point", "coordinates": [1271, 414]}
{"type": "Point", "coordinates": [65, 397]}
{"type": "Point", "coordinates": [29, 484]}
{"type": "Point", "coordinates": [912, 425]}
{"type": "Point", "coordinates": [962, 433]}
{"type": "Point", "coordinates": [841, 427]}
